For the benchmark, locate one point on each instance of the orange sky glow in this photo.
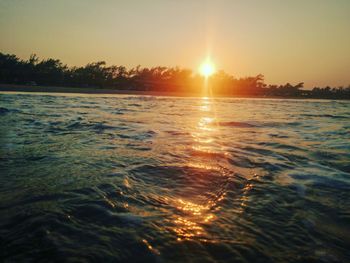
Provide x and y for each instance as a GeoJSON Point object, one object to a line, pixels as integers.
{"type": "Point", "coordinates": [290, 41]}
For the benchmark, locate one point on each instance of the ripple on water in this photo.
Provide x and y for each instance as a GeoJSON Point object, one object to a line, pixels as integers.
{"type": "Point", "coordinates": [153, 179]}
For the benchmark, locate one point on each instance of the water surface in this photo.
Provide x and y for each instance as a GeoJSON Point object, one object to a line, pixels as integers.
{"type": "Point", "coordinates": [158, 179]}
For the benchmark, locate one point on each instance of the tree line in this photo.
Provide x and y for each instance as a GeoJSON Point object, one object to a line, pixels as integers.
{"type": "Point", "coordinates": [52, 72]}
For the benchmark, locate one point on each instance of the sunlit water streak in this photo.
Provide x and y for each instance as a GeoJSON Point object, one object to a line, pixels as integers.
{"type": "Point", "coordinates": [134, 178]}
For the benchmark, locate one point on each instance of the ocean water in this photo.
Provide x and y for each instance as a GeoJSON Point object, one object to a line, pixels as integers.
{"type": "Point", "coordinates": [159, 179]}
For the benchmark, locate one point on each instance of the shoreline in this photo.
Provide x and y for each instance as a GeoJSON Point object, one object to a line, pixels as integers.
{"type": "Point", "coordinates": [101, 91]}
{"type": "Point", "coordinates": [79, 90]}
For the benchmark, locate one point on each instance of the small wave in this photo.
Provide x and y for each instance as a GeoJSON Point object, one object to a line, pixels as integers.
{"type": "Point", "coordinates": [4, 111]}
{"type": "Point", "coordinates": [277, 145]}
{"type": "Point", "coordinates": [78, 125]}
{"type": "Point", "coordinates": [134, 105]}
{"type": "Point", "coordinates": [32, 199]}
{"type": "Point", "coordinates": [178, 133]}
{"type": "Point", "coordinates": [325, 116]}
{"type": "Point", "coordinates": [275, 124]}
{"type": "Point", "coordinates": [318, 180]}
{"type": "Point", "coordinates": [138, 136]}
{"type": "Point", "coordinates": [198, 151]}
{"type": "Point", "coordinates": [236, 124]}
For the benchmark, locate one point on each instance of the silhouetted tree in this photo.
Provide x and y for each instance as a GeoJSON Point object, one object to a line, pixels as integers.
{"type": "Point", "coordinates": [52, 72]}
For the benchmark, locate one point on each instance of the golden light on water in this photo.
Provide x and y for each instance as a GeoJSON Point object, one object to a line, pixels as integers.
{"type": "Point", "coordinates": [196, 213]}
{"type": "Point", "coordinates": [191, 224]}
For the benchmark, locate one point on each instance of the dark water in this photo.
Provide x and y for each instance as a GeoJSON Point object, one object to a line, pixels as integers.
{"type": "Point", "coordinates": [156, 179]}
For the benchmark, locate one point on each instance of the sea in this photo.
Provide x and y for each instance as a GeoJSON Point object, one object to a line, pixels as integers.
{"type": "Point", "coordinates": [121, 178]}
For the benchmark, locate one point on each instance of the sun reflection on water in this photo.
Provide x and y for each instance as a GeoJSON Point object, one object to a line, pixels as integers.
{"type": "Point", "coordinates": [195, 217]}
{"type": "Point", "coordinates": [190, 224]}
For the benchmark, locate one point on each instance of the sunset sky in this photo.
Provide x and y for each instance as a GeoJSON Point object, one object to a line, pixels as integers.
{"type": "Point", "coordinates": [287, 41]}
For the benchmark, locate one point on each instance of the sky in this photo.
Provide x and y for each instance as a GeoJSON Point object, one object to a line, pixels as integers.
{"type": "Point", "coordinates": [286, 41]}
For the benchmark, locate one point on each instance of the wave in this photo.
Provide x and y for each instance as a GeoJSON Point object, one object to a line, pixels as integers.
{"type": "Point", "coordinates": [132, 179]}
{"type": "Point", "coordinates": [3, 111]}
{"type": "Point", "coordinates": [236, 124]}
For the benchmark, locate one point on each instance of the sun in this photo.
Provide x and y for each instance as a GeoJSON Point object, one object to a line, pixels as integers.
{"type": "Point", "coordinates": [207, 69]}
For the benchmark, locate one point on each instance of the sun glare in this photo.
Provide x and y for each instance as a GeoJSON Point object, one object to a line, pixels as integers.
{"type": "Point", "coordinates": [207, 69]}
